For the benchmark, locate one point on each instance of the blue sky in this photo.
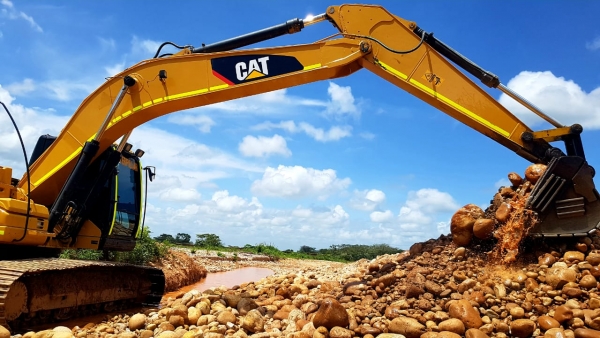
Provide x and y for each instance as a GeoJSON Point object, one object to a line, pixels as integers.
{"type": "Point", "coordinates": [353, 160]}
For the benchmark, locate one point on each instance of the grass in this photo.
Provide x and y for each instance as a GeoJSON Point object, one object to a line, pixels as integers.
{"type": "Point", "coordinates": [146, 250]}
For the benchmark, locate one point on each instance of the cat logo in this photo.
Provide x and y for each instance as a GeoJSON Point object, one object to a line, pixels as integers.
{"type": "Point", "coordinates": [255, 68]}
{"type": "Point", "coordinates": [239, 69]}
{"type": "Point", "coordinates": [433, 79]}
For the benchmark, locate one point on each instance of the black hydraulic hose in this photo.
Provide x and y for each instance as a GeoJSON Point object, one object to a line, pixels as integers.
{"type": "Point", "coordinates": [147, 170]}
{"type": "Point", "coordinates": [28, 175]}
{"type": "Point", "coordinates": [385, 46]}
{"type": "Point", "coordinates": [169, 43]}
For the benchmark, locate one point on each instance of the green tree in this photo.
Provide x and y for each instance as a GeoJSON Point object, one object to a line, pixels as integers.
{"type": "Point", "coordinates": [182, 238]}
{"type": "Point", "coordinates": [165, 237]}
{"type": "Point", "coordinates": [307, 249]}
{"type": "Point", "coordinates": [208, 241]}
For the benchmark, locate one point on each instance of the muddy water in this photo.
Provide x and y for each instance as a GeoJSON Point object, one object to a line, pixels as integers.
{"type": "Point", "coordinates": [227, 278]}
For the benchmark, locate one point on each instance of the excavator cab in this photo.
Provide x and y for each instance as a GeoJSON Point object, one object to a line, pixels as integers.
{"type": "Point", "coordinates": [127, 219]}
{"type": "Point", "coordinates": [111, 202]}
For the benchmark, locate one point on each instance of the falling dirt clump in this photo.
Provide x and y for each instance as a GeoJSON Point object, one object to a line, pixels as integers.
{"type": "Point", "coordinates": [505, 223]}
{"type": "Point", "coordinates": [180, 270]}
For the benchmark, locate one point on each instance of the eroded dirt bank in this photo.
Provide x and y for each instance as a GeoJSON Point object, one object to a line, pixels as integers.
{"type": "Point", "coordinates": [436, 290]}
{"type": "Point", "coordinates": [180, 269]}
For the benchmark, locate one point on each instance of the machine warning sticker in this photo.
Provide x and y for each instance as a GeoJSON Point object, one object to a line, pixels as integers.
{"type": "Point", "coordinates": [244, 68]}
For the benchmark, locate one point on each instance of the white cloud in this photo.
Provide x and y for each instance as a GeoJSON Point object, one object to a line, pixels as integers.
{"type": "Point", "coordinates": [245, 220]}
{"type": "Point", "coordinates": [594, 45]}
{"type": "Point", "coordinates": [381, 216]}
{"type": "Point", "coordinates": [177, 152]}
{"type": "Point", "coordinates": [1, 35]}
{"type": "Point", "coordinates": [32, 123]}
{"type": "Point", "coordinates": [367, 200]}
{"type": "Point", "coordinates": [227, 203]}
{"type": "Point", "coordinates": [562, 99]}
{"type": "Point", "coordinates": [367, 135]}
{"type": "Point", "coordinates": [202, 122]}
{"type": "Point", "coordinates": [422, 206]}
{"type": "Point", "coordinates": [443, 228]}
{"type": "Point", "coordinates": [13, 14]}
{"type": "Point", "coordinates": [185, 163]}
{"type": "Point", "coordinates": [107, 44]}
{"type": "Point", "coordinates": [334, 133]}
{"type": "Point", "coordinates": [197, 155]}
{"type": "Point", "coordinates": [21, 88]}
{"type": "Point", "coordinates": [341, 104]}
{"type": "Point", "coordinates": [180, 195]}
{"type": "Point", "coordinates": [115, 69]}
{"type": "Point", "coordinates": [263, 146]}
{"type": "Point", "coordinates": [222, 210]}
{"type": "Point", "coordinates": [139, 49]}
{"type": "Point", "coordinates": [65, 90]}
{"type": "Point", "coordinates": [145, 47]}
{"type": "Point", "coordinates": [7, 3]}
{"type": "Point", "coordinates": [59, 90]}
{"type": "Point", "coordinates": [297, 181]}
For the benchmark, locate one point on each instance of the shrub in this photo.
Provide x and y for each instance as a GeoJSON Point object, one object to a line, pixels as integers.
{"type": "Point", "coordinates": [84, 254]}
{"type": "Point", "coordinates": [146, 250]}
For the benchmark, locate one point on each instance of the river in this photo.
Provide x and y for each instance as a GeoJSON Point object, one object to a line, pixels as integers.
{"type": "Point", "coordinates": [226, 278]}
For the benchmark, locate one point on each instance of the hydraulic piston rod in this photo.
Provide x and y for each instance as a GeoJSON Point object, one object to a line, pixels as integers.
{"type": "Point", "coordinates": [288, 27]}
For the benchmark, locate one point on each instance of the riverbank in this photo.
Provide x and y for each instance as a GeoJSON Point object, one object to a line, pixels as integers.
{"type": "Point", "coordinates": [214, 261]}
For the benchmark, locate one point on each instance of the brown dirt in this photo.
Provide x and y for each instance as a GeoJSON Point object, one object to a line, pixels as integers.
{"type": "Point", "coordinates": [180, 270]}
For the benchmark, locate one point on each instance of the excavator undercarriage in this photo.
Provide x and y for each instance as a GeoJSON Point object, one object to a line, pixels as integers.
{"type": "Point", "coordinates": [38, 291]}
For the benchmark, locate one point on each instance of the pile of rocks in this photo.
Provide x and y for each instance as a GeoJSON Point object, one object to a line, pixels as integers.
{"type": "Point", "coordinates": [435, 290]}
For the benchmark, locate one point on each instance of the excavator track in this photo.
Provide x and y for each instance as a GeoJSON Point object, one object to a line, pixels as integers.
{"type": "Point", "coordinates": [39, 291]}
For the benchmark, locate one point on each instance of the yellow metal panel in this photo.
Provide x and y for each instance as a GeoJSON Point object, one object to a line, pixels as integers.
{"type": "Point", "coordinates": [57, 167]}
{"type": "Point", "coordinates": [316, 65]}
{"type": "Point", "coordinates": [14, 206]}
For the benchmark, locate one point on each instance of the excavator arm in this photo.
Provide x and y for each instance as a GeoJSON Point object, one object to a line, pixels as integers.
{"type": "Point", "coordinates": [369, 37]}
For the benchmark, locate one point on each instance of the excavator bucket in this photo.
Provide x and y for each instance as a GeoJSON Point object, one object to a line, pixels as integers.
{"type": "Point", "coordinates": [565, 199]}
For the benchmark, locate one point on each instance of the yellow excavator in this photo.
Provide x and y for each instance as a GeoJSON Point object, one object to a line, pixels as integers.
{"type": "Point", "coordinates": [84, 189]}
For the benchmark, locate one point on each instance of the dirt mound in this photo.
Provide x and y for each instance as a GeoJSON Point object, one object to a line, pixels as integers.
{"type": "Point", "coordinates": [180, 270]}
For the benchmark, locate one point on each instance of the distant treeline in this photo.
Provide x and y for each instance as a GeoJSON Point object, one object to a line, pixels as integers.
{"type": "Point", "coordinates": [340, 253]}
